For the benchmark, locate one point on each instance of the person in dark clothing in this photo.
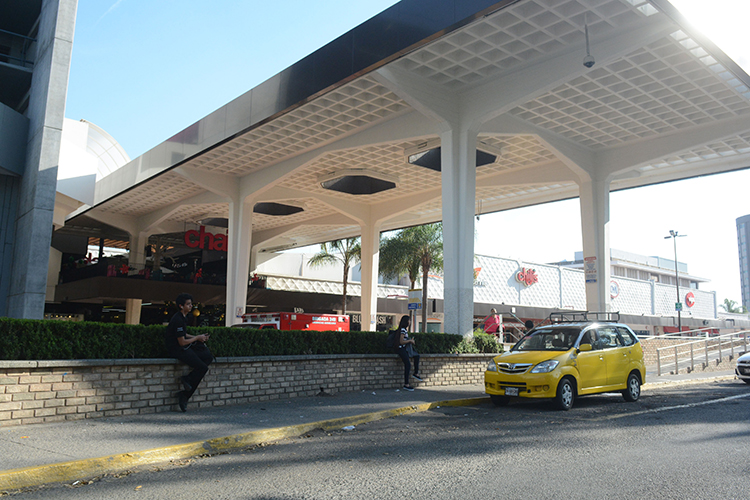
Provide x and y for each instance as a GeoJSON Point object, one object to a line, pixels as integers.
{"type": "Point", "coordinates": [406, 350]}
{"type": "Point", "coordinates": [190, 349]}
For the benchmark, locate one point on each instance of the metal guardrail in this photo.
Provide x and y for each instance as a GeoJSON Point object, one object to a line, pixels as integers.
{"type": "Point", "coordinates": [711, 345]}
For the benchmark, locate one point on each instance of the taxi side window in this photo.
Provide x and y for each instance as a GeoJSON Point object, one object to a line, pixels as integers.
{"type": "Point", "coordinates": [627, 337]}
{"type": "Point", "coordinates": [590, 338]}
{"type": "Point", "coordinates": [608, 338]}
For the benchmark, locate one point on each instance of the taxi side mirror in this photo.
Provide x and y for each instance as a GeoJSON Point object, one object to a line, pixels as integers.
{"type": "Point", "coordinates": [584, 347]}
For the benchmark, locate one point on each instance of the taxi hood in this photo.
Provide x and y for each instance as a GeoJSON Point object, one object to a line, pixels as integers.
{"type": "Point", "coordinates": [532, 357]}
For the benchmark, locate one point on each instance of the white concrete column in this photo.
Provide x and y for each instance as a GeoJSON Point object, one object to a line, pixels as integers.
{"type": "Point", "coordinates": [238, 258]}
{"type": "Point", "coordinates": [133, 311]}
{"type": "Point", "coordinates": [137, 253]}
{"type": "Point", "coordinates": [370, 244]}
{"type": "Point", "coordinates": [458, 159]}
{"type": "Point", "coordinates": [594, 200]}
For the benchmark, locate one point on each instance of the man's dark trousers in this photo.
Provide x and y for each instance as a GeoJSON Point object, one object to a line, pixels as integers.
{"type": "Point", "coordinates": [197, 357]}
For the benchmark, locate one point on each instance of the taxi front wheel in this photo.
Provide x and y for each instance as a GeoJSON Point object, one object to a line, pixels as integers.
{"type": "Point", "coordinates": [565, 394]}
{"type": "Point", "coordinates": [633, 392]}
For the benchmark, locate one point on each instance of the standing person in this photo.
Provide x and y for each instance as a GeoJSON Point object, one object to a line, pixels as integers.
{"type": "Point", "coordinates": [190, 349]}
{"type": "Point", "coordinates": [492, 323]}
{"type": "Point", "coordinates": [407, 350]}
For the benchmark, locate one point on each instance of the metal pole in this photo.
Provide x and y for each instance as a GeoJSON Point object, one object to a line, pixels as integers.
{"type": "Point", "coordinates": [692, 358]}
{"type": "Point", "coordinates": [677, 277]}
{"type": "Point", "coordinates": [676, 364]}
{"type": "Point", "coordinates": [719, 339]}
{"type": "Point", "coordinates": [706, 341]}
{"type": "Point", "coordinates": [658, 362]}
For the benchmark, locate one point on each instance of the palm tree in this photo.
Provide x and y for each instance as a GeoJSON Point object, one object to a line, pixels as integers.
{"type": "Point", "coordinates": [347, 251]}
{"type": "Point", "coordinates": [731, 306]}
{"type": "Point", "coordinates": [416, 250]}
{"type": "Point", "coordinates": [396, 260]}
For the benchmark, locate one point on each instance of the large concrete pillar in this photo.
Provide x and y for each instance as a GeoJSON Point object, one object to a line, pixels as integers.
{"type": "Point", "coordinates": [238, 258]}
{"type": "Point", "coordinates": [133, 311]}
{"type": "Point", "coordinates": [36, 192]}
{"type": "Point", "coordinates": [458, 160]}
{"type": "Point", "coordinates": [137, 252]}
{"type": "Point", "coordinates": [594, 199]}
{"type": "Point", "coordinates": [370, 245]}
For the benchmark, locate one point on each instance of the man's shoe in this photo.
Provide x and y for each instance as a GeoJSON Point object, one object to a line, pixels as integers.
{"type": "Point", "coordinates": [408, 388]}
{"type": "Point", "coordinates": [182, 401]}
{"type": "Point", "coordinates": [185, 384]}
{"type": "Point", "coordinates": [418, 377]}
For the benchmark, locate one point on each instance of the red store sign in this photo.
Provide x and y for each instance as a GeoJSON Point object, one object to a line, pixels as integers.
{"type": "Point", "coordinates": [527, 276]}
{"type": "Point", "coordinates": [197, 239]}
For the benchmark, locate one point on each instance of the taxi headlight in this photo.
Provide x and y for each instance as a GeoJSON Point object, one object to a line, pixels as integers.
{"type": "Point", "coordinates": [492, 367]}
{"type": "Point", "coordinates": [545, 366]}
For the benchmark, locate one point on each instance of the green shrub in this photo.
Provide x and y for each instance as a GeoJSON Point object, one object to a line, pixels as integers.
{"type": "Point", "coordinates": [38, 340]}
{"type": "Point", "coordinates": [479, 343]}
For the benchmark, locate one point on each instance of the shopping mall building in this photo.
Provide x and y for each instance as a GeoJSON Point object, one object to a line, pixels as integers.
{"type": "Point", "coordinates": [409, 118]}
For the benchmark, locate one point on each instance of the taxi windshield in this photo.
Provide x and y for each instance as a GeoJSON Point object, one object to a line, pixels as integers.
{"type": "Point", "coordinates": [548, 339]}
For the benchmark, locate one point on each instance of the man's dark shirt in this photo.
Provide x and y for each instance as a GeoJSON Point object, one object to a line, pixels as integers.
{"type": "Point", "coordinates": [176, 328]}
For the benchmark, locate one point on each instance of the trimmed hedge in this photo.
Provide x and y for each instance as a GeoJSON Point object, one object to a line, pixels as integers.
{"type": "Point", "coordinates": [22, 339]}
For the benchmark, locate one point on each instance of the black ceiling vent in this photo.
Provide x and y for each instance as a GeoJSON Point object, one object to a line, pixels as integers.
{"type": "Point", "coordinates": [357, 184]}
{"type": "Point", "coordinates": [431, 159]}
{"type": "Point", "coordinates": [276, 209]}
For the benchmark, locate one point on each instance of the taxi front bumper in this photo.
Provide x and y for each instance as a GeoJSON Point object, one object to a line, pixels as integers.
{"type": "Point", "coordinates": [527, 385]}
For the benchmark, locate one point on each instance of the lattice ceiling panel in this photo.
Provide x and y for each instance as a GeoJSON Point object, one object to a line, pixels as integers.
{"type": "Point", "coordinates": [669, 85]}
{"type": "Point", "coordinates": [518, 151]}
{"type": "Point", "coordinates": [357, 104]}
{"type": "Point", "coordinates": [195, 213]}
{"type": "Point", "coordinates": [516, 35]}
{"type": "Point", "coordinates": [387, 160]}
{"type": "Point", "coordinates": [489, 196]}
{"type": "Point", "coordinates": [738, 145]}
{"type": "Point", "coordinates": [330, 232]}
{"type": "Point", "coordinates": [159, 192]}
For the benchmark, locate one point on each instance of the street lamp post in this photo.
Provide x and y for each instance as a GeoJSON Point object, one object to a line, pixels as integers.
{"type": "Point", "coordinates": [678, 305]}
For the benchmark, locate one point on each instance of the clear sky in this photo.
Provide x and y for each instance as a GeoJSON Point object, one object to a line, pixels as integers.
{"type": "Point", "coordinates": [144, 70]}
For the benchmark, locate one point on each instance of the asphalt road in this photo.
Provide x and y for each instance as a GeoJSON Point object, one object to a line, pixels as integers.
{"type": "Point", "coordinates": [675, 443]}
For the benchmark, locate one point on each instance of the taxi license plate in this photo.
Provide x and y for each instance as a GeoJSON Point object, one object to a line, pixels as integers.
{"type": "Point", "coordinates": [511, 391]}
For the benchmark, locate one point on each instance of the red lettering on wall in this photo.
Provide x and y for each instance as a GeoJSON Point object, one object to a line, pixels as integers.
{"type": "Point", "coordinates": [197, 239]}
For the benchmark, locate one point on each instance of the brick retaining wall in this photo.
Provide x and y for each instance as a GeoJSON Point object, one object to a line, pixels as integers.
{"type": "Point", "coordinates": [51, 391]}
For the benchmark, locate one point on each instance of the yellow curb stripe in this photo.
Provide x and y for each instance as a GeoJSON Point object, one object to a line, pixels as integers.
{"type": "Point", "coordinates": [92, 467]}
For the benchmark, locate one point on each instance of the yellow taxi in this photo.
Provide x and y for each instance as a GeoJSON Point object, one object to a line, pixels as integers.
{"type": "Point", "coordinates": [577, 354]}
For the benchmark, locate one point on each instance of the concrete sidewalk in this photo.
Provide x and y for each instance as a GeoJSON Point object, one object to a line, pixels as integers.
{"type": "Point", "coordinates": [66, 451]}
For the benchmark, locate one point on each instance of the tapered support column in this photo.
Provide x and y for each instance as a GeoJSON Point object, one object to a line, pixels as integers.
{"type": "Point", "coordinates": [370, 259]}
{"type": "Point", "coordinates": [458, 158]}
{"type": "Point", "coordinates": [137, 252]}
{"type": "Point", "coordinates": [594, 199]}
{"type": "Point", "coordinates": [238, 259]}
{"type": "Point", "coordinates": [133, 311]}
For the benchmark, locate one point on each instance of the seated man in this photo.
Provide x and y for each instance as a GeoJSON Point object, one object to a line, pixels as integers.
{"type": "Point", "coordinates": [190, 349]}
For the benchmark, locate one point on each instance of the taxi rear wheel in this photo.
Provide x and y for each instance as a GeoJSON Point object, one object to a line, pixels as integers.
{"type": "Point", "coordinates": [500, 400]}
{"type": "Point", "coordinates": [565, 394]}
{"type": "Point", "coordinates": [633, 392]}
